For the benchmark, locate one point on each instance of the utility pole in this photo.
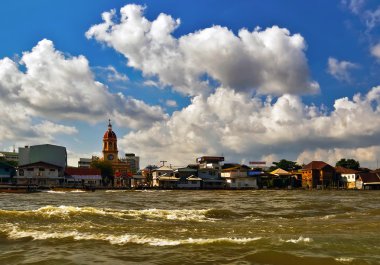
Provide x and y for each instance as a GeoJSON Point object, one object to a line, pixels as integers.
{"type": "Point", "coordinates": [163, 162]}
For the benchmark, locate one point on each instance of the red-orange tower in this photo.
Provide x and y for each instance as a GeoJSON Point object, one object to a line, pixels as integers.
{"type": "Point", "coordinates": [110, 152]}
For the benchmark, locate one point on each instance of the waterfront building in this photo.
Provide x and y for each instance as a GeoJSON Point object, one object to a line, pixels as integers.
{"type": "Point", "coordinates": [190, 182]}
{"type": "Point", "coordinates": [139, 180]}
{"type": "Point", "coordinates": [188, 177]}
{"type": "Point", "coordinates": [237, 177]}
{"type": "Point", "coordinates": [318, 174]}
{"type": "Point", "coordinates": [41, 174]}
{"type": "Point", "coordinates": [111, 154]}
{"type": "Point", "coordinates": [347, 177]}
{"type": "Point", "coordinates": [184, 172]}
{"type": "Point", "coordinates": [210, 178]}
{"type": "Point", "coordinates": [211, 162]}
{"type": "Point", "coordinates": [368, 181]}
{"type": "Point", "coordinates": [162, 174]}
{"type": "Point", "coordinates": [209, 168]}
{"type": "Point", "coordinates": [46, 153]}
{"type": "Point", "coordinates": [281, 178]}
{"type": "Point", "coordinates": [83, 177]}
{"type": "Point", "coordinates": [167, 181]}
{"type": "Point", "coordinates": [7, 172]}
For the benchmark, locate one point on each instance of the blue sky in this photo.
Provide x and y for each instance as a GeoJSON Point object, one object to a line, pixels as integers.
{"type": "Point", "coordinates": [338, 52]}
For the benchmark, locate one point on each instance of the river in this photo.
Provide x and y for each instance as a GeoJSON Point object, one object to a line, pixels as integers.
{"type": "Point", "coordinates": [191, 227]}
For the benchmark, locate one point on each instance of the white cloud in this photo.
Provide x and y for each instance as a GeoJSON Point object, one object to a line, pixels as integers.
{"type": "Point", "coordinates": [266, 61]}
{"type": "Point", "coordinates": [111, 74]}
{"type": "Point", "coordinates": [354, 5]}
{"type": "Point", "coordinates": [17, 126]}
{"type": "Point", "coordinates": [244, 128]}
{"type": "Point", "coordinates": [57, 87]}
{"type": "Point", "coordinates": [340, 69]}
{"type": "Point", "coordinates": [375, 51]}
{"type": "Point", "coordinates": [171, 103]}
{"type": "Point", "coordinates": [372, 18]}
{"type": "Point", "coordinates": [367, 156]}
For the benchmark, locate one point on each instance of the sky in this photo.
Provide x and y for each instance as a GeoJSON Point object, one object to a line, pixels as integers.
{"type": "Point", "coordinates": [249, 80]}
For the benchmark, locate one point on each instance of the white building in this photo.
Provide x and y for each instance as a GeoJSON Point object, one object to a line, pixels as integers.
{"type": "Point", "coordinates": [40, 174]}
{"type": "Point", "coordinates": [156, 173]}
{"type": "Point", "coordinates": [347, 177]}
{"type": "Point", "coordinates": [237, 178]}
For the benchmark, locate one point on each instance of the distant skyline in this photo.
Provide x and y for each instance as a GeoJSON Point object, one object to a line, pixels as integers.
{"type": "Point", "coordinates": [250, 80]}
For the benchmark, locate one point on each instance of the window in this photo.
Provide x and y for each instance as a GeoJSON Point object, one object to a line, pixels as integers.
{"type": "Point", "coordinates": [52, 170]}
{"type": "Point", "coordinates": [41, 169]}
{"type": "Point", "coordinates": [29, 169]}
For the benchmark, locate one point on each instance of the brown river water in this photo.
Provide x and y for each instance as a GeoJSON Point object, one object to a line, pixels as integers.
{"type": "Point", "coordinates": [191, 227]}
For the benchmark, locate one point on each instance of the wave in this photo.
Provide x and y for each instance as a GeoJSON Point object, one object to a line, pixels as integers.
{"type": "Point", "coordinates": [301, 239]}
{"type": "Point", "coordinates": [68, 212]}
{"type": "Point", "coordinates": [329, 216]}
{"type": "Point", "coordinates": [15, 233]}
{"type": "Point", "coordinates": [344, 260]}
{"type": "Point", "coordinates": [221, 214]}
{"type": "Point", "coordinates": [55, 192]}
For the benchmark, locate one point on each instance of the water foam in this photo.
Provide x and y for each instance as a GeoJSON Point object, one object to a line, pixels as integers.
{"type": "Point", "coordinates": [301, 239]}
{"type": "Point", "coordinates": [15, 233]}
{"type": "Point", "coordinates": [55, 192]}
{"type": "Point", "coordinates": [67, 212]}
{"type": "Point", "coordinates": [344, 259]}
{"type": "Point", "coordinates": [329, 216]}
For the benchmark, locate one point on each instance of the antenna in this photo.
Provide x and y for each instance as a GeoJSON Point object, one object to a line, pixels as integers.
{"type": "Point", "coordinates": [163, 162]}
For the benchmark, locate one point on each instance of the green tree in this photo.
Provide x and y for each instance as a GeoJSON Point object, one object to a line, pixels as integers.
{"type": "Point", "coordinates": [348, 163]}
{"type": "Point", "coordinates": [285, 165]}
{"type": "Point", "coordinates": [106, 170]}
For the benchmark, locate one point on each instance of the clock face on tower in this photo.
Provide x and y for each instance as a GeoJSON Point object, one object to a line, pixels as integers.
{"type": "Point", "coordinates": [110, 157]}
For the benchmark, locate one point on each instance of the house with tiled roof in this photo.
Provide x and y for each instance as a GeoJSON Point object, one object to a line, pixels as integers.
{"type": "Point", "coordinates": [83, 177]}
{"type": "Point", "coordinates": [368, 181]}
{"type": "Point", "coordinates": [318, 174]}
{"type": "Point", "coordinates": [347, 177]}
{"type": "Point", "coordinates": [41, 174]}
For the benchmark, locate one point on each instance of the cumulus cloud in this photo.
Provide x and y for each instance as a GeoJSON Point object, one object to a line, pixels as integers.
{"type": "Point", "coordinates": [367, 156]}
{"type": "Point", "coordinates": [56, 87]}
{"type": "Point", "coordinates": [375, 51]}
{"type": "Point", "coordinates": [340, 69]}
{"type": "Point", "coordinates": [17, 125]}
{"type": "Point", "coordinates": [270, 61]}
{"type": "Point", "coordinates": [240, 127]}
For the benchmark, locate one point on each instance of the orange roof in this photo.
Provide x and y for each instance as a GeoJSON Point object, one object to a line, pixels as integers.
{"type": "Point", "coordinates": [316, 165]}
{"type": "Point", "coordinates": [343, 170]}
